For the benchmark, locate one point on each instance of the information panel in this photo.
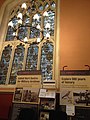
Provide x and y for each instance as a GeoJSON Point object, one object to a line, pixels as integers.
{"type": "Point", "coordinates": [30, 79]}
{"type": "Point", "coordinates": [75, 87]}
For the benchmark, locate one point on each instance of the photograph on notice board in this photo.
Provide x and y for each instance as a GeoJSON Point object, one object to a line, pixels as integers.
{"type": "Point", "coordinates": [81, 97]}
{"type": "Point", "coordinates": [30, 95]}
{"type": "Point", "coordinates": [66, 97]}
{"type": "Point", "coordinates": [44, 93]}
{"type": "Point", "coordinates": [18, 94]}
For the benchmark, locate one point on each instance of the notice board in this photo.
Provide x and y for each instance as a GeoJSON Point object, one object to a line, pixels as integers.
{"type": "Point", "coordinates": [75, 87]}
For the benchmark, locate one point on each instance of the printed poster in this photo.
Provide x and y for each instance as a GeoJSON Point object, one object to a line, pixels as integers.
{"type": "Point", "coordinates": [75, 90]}
{"type": "Point", "coordinates": [25, 95]}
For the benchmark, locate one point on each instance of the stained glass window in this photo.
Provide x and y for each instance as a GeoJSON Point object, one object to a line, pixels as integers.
{"type": "Point", "coordinates": [22, 32]}
{"type": "Point", "coordinates": [4, 64]}
{"type": "Point", "coordinates": [17, 63]}
{"type": "Point", "coordinates": [32, 58]}
{"type": "Point", "coordinates": [29, 55]}
{"type": "Point", "coordinates": [10, 34]}
{"type": "Point", "coordinates": [26, 25]}
{"type": "Point", "coordinates": [47, 61]}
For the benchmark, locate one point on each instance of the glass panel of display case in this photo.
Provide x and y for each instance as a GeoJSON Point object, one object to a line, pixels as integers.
{"type": "Point", "coordinates": [47, 103]}
{"type": "Point", "coordinates": [44, 115]}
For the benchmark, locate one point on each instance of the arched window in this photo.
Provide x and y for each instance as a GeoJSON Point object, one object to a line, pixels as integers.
{"type": "Point", "coordinates": [31, 33]}
{"type": "Point", "coordinates": [28, 16]}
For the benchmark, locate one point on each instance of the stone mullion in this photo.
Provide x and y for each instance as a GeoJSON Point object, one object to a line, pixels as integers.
{"type": "Point", "coordinates": [53, 65]}
{"type": "Point", "coordinates": [57, 46]}
{"type": "Point", "coordinates": [39, 58]}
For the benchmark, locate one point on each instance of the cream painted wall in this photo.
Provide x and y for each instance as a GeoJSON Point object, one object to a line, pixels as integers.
{"type": "Point", "coordinates": [1, 2]}
{"type": "Point", "coordinates": [74, 33]}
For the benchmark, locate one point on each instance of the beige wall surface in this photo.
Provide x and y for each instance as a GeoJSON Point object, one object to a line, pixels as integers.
{"type": "Point", "coordinates": [74, 33]}
{"type": "Point", "coordinates": [1, 2]}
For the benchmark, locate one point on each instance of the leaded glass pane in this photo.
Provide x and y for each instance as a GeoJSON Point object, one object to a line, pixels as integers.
{"type": "Point", "coordinates": [46, 5]}
{"type": "Point", "coordinates": [29, 24]}
{"type": "Point", "coordinates": [34, 32]}
{"type": "Point", "coordinates": [9, 35]}
{"type": "Point", "coordinates": [4, 64]}
{"type": "Point", "coordinates": [17, 63]}
{"type": "Point", "coordinates": [41, 7]}
{"type": "Point", "coordinates": [49, 19]}
{"type": "Point", "coordinates": [53, 4]}
{"type": "Point", "coordinates": [33, 6]}
{"type": "Point", "coordinates": [12, 29]}
{"type": "Point", "coordinates": [22, 33]}
{"type": "Point", "coordinates": [29, 10]}
{"type": "Point", "coordinates": [32, 58]}
{"type": "Point", "coordinates": [15, 21]}
{"type": "Point", "coordinates": [47, 61]}
{"type": "Point", "coordinates": [26, 19]}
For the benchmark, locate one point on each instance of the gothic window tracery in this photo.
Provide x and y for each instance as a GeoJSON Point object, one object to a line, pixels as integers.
{"type": "Point", "coordinates": [42, 52]}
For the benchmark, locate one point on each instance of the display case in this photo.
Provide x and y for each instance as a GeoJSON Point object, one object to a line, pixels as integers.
{"type": "Point", "coordinates": [47, 103]}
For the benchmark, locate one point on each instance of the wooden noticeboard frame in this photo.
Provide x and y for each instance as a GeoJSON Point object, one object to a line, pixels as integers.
{"type": "Point", "coordinates": [26, 92]}
{"type": "Point", "coordinates": [75, 87]}
{"type": "Point", "coordinates": [27, 87]}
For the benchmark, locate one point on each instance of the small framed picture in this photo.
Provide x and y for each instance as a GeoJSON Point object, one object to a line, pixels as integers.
{"type": "Point", "coordinates": [17, 95]}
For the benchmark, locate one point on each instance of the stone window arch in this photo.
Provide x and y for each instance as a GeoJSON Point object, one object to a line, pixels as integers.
{"type": "Point", "coordinates": [46, 50]}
